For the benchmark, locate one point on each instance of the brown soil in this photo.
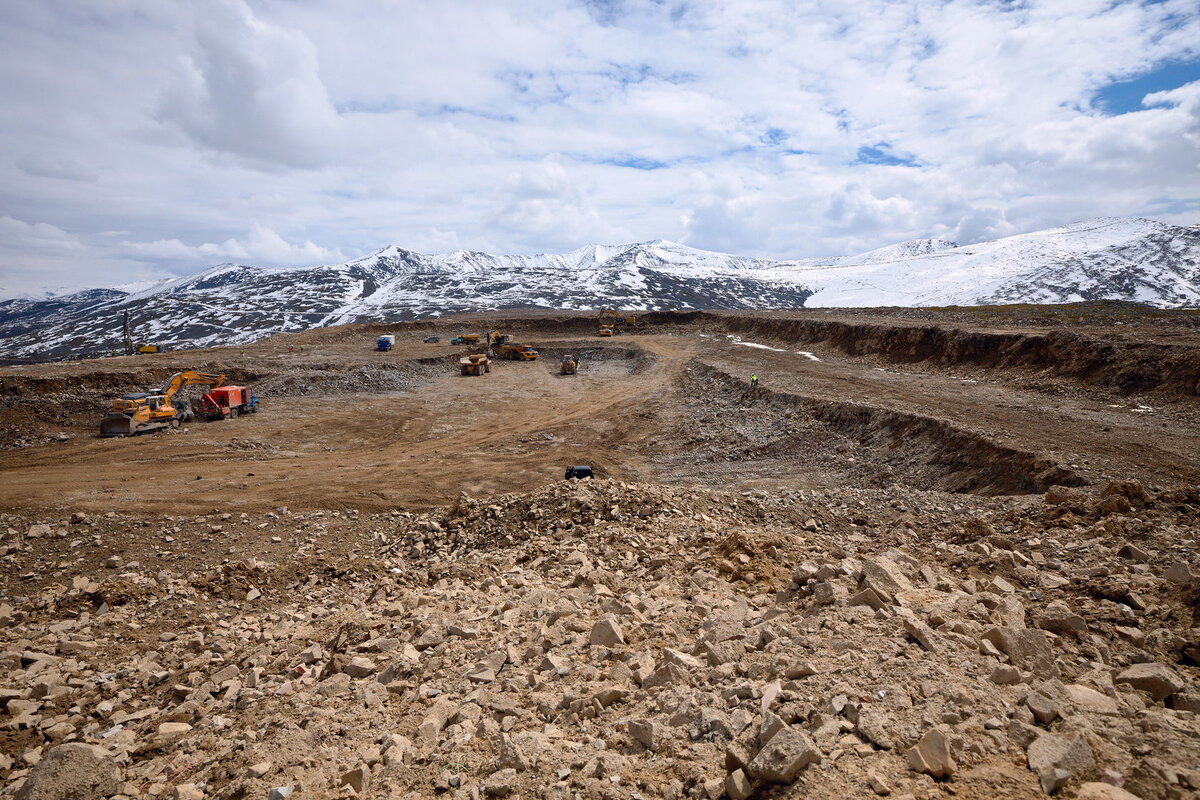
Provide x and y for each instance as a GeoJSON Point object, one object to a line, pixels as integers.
{"type": "Point", "coordinates": [380, 499]}
{"type": "Point", "coordinates": [344, 426]}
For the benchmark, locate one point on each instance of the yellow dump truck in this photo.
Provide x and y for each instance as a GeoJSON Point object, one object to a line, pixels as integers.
{"type": "Point", "coordinates": [476, 364]}
{"type": "Point", "coordinates": [518, 352]}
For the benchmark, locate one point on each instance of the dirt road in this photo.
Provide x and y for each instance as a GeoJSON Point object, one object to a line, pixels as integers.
{"type": "Point", "coordinates": [631, 413]}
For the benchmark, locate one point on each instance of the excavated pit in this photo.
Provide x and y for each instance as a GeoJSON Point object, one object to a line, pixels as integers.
{"type": "Point", "coordinates": [1044, 351]}
{"type": "Point", "coordinates": [597, 359]}
{"type": "Point", "coordinates": [1123, 367]}
{"type": "Point", "coordinates": [735, 432]}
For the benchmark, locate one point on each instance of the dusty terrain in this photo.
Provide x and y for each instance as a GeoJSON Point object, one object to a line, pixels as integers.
{"type": "Point", "coordinates": [947, 552]}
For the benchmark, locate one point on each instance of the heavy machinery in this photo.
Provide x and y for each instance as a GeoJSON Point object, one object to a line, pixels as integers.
{"type": "Point", "coordinates": [148, 411]}
{"type": "Point", "coordinates": [385, 343]}
{"type": "Point", "coordinates": [605, 330]}
{"type": "Point", "coordinates": [467, 338]}
{"type": "Point", "coordinates": [518, 352]}
{"type": "Point", "coordinates": [226, 402]}
{"type": "Point", "coordinates": [127, 339]}
{"type": "Point", "coordinates": [569, 365]}
{"type": "Point", "coordinates": [496, 337]}
{"type": "Point", "coordinates": [476, 364]}
{"type": "Point", "coordinates": [615, 320]}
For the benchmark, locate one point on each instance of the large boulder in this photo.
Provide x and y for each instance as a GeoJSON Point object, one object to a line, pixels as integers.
{"type": "Point", "coordinates": [784, 757]}
{"type": "Point", "coordinates": [1158, 680]}
{"type": "Point", "coordinates": [73, 772]}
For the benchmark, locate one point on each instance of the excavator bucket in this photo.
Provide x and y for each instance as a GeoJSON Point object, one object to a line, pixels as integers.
{"type": "Point", "coordinates": [117, 425]}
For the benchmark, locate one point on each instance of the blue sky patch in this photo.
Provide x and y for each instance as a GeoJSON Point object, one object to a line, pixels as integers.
{"type": "Point", "coordinates": [775, 136]}
{"type": "Point", "coordinates": [1126, 96]}
{"type": "Point", "coordinates": [882, 154]}
{"type": "Point", "coordinates": [635, 162]}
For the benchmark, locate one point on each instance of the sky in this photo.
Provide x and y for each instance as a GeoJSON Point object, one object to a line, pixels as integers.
{"type": "Point", "coordinates": [143, 139]}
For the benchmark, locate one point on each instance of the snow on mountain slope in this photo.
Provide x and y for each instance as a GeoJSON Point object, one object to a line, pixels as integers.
{"type": "Point", "coordinates": [1110, 258]}
{"type": "Point", "coordinates": [1123, 259]}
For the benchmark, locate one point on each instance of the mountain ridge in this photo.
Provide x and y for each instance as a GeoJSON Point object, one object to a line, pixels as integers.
{"type": "Point", "coordinates": [1130, 259]}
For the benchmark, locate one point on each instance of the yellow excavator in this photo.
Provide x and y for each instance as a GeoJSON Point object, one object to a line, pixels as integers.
{"type": "Point", "coordinates": [148, 411]}
{"type": "Point", "coordinates": [615, 320]}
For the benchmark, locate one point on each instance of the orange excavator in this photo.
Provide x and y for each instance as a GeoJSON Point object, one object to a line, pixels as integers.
{"type": "Point", "coordinates": [149, 411]}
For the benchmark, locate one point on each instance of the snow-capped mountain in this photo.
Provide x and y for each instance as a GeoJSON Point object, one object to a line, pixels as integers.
{"type": "Point", "coordinates": [1119, 259]}
{"type": "Point", "coordinates": [1101, 259]}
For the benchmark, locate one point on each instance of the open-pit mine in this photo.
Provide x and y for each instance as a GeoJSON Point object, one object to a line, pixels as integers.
{"type": "Point", "coordinates": [825, 554]}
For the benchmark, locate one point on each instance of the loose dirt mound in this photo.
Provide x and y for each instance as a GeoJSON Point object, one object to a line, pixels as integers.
{"type": "Point", "coordinates": [605, 639]}
{"type": "Point", "coordinates": [334, 379]}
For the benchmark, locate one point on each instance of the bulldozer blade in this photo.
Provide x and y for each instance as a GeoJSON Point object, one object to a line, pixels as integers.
{"type": "Point", "coordinates": [117, 425]}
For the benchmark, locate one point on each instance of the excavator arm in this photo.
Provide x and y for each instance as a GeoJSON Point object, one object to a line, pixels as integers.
{"type": "Point", "coordinates": [190, 378]}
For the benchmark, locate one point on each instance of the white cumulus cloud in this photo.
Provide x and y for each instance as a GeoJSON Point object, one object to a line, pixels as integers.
{"type": "Point", "coordinates": [281, 133]}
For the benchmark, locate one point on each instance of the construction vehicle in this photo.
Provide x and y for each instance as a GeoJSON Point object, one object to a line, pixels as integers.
{"type": "Point", "coordinates": [385, 343]}
{"type": "Point", "coordinates": [496, 337]}
{"type": "Point", "coordinates": [578, 473]}
{"type": "Point", "coordinates": [518, 352]}
{"type": "Point", "coordinates": [127, 339]}
{"type": "Point", "coordinates": [148, 411]}
{"type": "Point", "coordinates": [605, 330]}
{"type": "Point", "coordinates": [476, 364]}
{"type": "Point", "coordinates": [226, 402]}
{"type": "Point", "coordinates": [615, 320]}
{"type": "Point", "coordinates": [569, 365]}
{"type": "Point", "coordinates": [467, 338]}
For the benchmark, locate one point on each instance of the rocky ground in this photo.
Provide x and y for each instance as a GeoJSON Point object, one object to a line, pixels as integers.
{"type": "Point", "coordinates": [612, 640]}
{"type": "Point", "coordinates": [866, 577]}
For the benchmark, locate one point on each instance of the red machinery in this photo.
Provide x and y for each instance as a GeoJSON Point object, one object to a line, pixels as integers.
{"type": "Point", "coordinates": [226, 402]}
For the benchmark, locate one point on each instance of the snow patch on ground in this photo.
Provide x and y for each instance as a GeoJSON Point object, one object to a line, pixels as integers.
{"type": "Point", "coordinates": [738, 341]}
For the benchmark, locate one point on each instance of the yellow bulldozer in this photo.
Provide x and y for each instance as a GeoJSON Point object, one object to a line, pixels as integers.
{"type": "Point", "coordinates": [570, 365]}
{"type": "Point", "coordinates": [477, 364]}
{"type": "Point", "coordinates": [149, 411]}
{"type": "Point", "coordinates": [605, 330]}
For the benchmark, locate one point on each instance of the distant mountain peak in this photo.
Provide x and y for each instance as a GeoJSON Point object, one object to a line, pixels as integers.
{"type": "Point", "coordinates": [1106, 258]}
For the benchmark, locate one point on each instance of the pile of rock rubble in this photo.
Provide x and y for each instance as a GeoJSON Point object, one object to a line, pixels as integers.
{"type": "Point", "coordinates": [625, 641]}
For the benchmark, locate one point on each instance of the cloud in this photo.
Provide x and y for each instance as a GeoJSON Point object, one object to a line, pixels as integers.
{"type": "Point", "coordinates": [547, 207]}
{"type": "Point", "coordinates": [281, 133]}
{"type": "Point", "coordinates": [44, 166]}
{"type": "Point", "coordinates": [251, 89]}
{"type": "Point", "coordinates": [262, 246]}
